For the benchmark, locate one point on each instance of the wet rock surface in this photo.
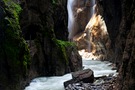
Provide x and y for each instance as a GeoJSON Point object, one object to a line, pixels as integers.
{"type": "Point", "coordinates": [85, 76]}
{"type": "Point", "coordinates": [101, 83]}
{"type": "Point", "coordinates": [46, 31]}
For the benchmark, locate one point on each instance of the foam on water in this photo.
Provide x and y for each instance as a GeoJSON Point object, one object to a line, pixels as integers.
{"type": "Point", "coordinates": [48, 83]}
{"type": "Point", "coordinates": [56, 82]}
{"type": "Point", "coordinates": [100, 68]}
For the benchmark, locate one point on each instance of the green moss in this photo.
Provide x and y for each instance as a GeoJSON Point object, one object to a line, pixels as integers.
{"type": "Point", "coordinates": [54, 1]}
{"type": "Point", "coordinates": [14, 10]}
{"type": "Point", "coordinates": [15, 47]}
{"type": "Point", "coordinates": [66, 43]}
{"type": "Point", "coordinates": [62, 45]}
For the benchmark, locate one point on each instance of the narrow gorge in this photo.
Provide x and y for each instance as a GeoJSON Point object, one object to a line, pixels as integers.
{"type": "Point", "coordinates": [45, 43]}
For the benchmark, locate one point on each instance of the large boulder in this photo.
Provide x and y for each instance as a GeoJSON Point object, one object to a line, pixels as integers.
{"type": "Point", "coordinates": [85, 76]}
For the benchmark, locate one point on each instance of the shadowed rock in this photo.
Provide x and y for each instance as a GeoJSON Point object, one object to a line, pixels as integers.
{"type": "Point", "coordinates": [85, 76]}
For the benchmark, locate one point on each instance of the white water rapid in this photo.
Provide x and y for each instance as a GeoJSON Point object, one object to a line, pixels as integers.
{"type": "Point", "coordinates": [56, 82]}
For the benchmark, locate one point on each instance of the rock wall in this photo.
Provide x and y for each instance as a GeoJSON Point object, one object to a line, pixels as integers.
{"type": "Point", "coordinates": [98, 37]}
{"type": "Point", "coordinates": [37, 50]}
{"type": "Point", "coordinates": [128, 64]}
{"type": "Point", "coordinates": [119, 17]}
{"type": "Point", "coordinates": [111, 12]}
{"type": "Point", "coordinates": [127, 33]}
{"type": "Point", "coordinates": [81, 15]}
{"type": "Point", "coordinates": [90, 32]}
{"type": "Point", "coordinates": [14, 52]}
{"type": "Point", "coordinates": [60, 19]}
{"type": "Point", "coordinates": [44, 28]}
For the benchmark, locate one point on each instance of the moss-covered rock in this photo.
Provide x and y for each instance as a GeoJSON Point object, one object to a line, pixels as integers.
{"type": "Point", "coordinates": [53, 56]}
{"type": "Point", "coordinates": [70, 58]}
{"type": "Point", "coordinates": [14, 52]}
{"type": "Point", "coordinates": [62, 45]}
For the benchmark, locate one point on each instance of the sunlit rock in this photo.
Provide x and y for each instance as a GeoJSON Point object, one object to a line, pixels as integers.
{"type": "Point", "coordinates": [95, 38]}
{"type": "Point", "coordinates": [88, 29]}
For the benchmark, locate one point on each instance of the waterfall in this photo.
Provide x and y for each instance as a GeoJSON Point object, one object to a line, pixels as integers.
{"type": "Point", "coordinates": [70, 16]}
{"type": "Point", "coordinates": [92, 12]}
{"type": "Point", "coordinates": [93, 8]}
{"type": "Point", "coordinates": [72, 5]}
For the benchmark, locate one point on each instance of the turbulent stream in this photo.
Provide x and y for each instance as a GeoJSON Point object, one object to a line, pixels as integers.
{"type": "Point", "coordinates": [56, 82]}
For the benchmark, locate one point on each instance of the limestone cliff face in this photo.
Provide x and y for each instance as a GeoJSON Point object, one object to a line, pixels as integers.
{"type": "Point", "coordinates": [119, 17]}
{"type": "Point", "coordinates": [44, 26]}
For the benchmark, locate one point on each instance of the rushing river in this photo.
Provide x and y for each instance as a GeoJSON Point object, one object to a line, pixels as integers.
{"type": "Point", "coordinates": [56, 82]}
